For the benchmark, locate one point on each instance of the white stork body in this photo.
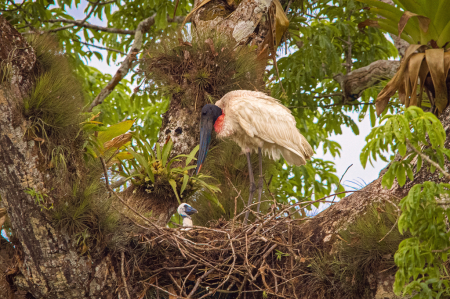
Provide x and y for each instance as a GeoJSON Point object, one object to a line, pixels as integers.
{"type": "Point", "coordinates": [254, 120]}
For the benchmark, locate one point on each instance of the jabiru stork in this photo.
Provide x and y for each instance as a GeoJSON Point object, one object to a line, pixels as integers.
{"type": "Point", "coordinates": [256, 122]}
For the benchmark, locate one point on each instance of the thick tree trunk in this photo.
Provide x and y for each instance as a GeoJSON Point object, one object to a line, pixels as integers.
{"type": "Point", "coordinates": [49, 264]}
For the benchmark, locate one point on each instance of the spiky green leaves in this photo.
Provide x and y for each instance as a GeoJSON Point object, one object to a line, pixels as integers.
{"type": "Point", "coordinates": [152, 168]}
{"type": "Point", "coordinates": [202, 70]}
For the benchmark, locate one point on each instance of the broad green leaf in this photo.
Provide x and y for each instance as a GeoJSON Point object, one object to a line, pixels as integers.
{"type": "Point", "coordinates": [142, 163]}
{"type": "Point", "coordinates": [114, 131]}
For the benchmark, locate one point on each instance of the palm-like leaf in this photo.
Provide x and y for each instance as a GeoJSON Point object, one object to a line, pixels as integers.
{"type": "Point", "coordinates": [427, 28]}
{"type": "Point", "coordinates": [416, 21]}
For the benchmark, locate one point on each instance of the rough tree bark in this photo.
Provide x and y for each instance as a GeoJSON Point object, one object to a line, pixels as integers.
{"type": "Point", "coordinates": [51, 267]}
{"type": "Point", "coordinates": [354, 83]}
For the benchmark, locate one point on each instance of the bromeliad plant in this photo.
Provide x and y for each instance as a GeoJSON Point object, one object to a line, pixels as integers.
{"type": "Point", "coordinates": [146, 165]}
{"type": "Point", "coordinates": [152, 169]}
{"type": "Point", "coordinates": [426, 26]}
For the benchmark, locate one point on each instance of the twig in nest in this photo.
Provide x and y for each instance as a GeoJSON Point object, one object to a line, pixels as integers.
{"type": "Point", "coordinates": [242, 286]}
{"type": "Point", "coordinates": [262, 271]}
{"type": "Point", "coordinates": [122, 255]}
{"type": "Point", "coordinates": [176, 284]}
{"type": "Point", "coordinates": [238, 192]}
{"type": "Point", "coordinates": [270, 192]}
{"type": "Point", "coordinates": [275, 279]}
{"type": "Point", "coordinates": [187, 277]}
{"type": "Point", "coordinates": [157, 288]}
{"type": "Point", "coordinates": [165, 291]}
{"type": "Point", "coordinates": [199, 280]}
{"type": "Point", "coordinates": [229, 273]}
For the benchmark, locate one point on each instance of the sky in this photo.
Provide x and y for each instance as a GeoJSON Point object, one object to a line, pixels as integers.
{"type": "Point", "coordinates": [350, 143]}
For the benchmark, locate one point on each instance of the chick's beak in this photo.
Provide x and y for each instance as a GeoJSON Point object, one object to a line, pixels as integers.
{"type": "Point", "coordinates": [190, 211]}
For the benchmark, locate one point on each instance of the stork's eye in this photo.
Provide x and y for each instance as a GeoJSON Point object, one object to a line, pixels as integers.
{"type": "Point", "coordinates": [204, 112]}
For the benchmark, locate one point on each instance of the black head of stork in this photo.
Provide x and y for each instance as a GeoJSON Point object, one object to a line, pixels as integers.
{"type": "Point", "coordinates": [210, 113]}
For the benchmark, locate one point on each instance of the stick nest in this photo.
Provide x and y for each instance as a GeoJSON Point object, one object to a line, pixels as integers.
{"type": "Point", "coordinates": [273, 257]}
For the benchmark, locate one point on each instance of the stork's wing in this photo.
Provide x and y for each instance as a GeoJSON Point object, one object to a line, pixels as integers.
{"type": "Point", "coordinates": [266, 118]}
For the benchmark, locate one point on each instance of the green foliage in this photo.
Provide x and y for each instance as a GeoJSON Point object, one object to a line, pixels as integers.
{"type": "Point", "coordinates": [317, 52]}
{"type": "Point", "coordinates": [125, 103]}
{"type": "Point", "coordinates": [40, 198]}
{"type": "Point", "coordinates": [152, 169]}
{"type": "Point", "coordinates": [422, 258]}
{"type": "Point", "coordinates": [314, 180]}
{"type": "Point", "coordinates": [280, 254]}
{"type": "Point", "coordinates": [420, 21]}
{"type": "Point", "coordinates": [420, 129]}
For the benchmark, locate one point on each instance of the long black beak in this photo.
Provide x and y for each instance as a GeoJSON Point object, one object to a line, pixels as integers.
{"type": "Point", "coordinates": [190, 210]}
{"type": "Point", "coordinates": [206, 127]}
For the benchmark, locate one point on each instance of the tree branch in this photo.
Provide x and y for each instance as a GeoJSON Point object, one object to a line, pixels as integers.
{"type": "Point", "coordinates": [122, 255]}
{"type": "Point", "coordinates": [126, 65]}
{"type": "Point", "coordinates": [336, 94]}
{"type": "Point", "coordinates": [99, 47]}
{"type": "Point", "coordinates": [80, 23]}
{"type": "Point", "coordinates": [426, 158]}
{"type": "Point", "coordinates": [355, 82]}
{"type": "Point", "coordinates": [332, 105]}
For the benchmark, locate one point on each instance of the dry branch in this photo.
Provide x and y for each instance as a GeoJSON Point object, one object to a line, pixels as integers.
{"type": "Point", "coordinates": [127, 64]}
{"type": "Point", "coordinates": [81, 23]}
{"type": "Point", "coordinates": [355, 82]}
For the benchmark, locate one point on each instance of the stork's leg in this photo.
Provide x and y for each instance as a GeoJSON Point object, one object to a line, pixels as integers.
{"type": "Point", "coordinates": [252, 186]}
{"type": "Point", "coordinates": [260, 182]}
